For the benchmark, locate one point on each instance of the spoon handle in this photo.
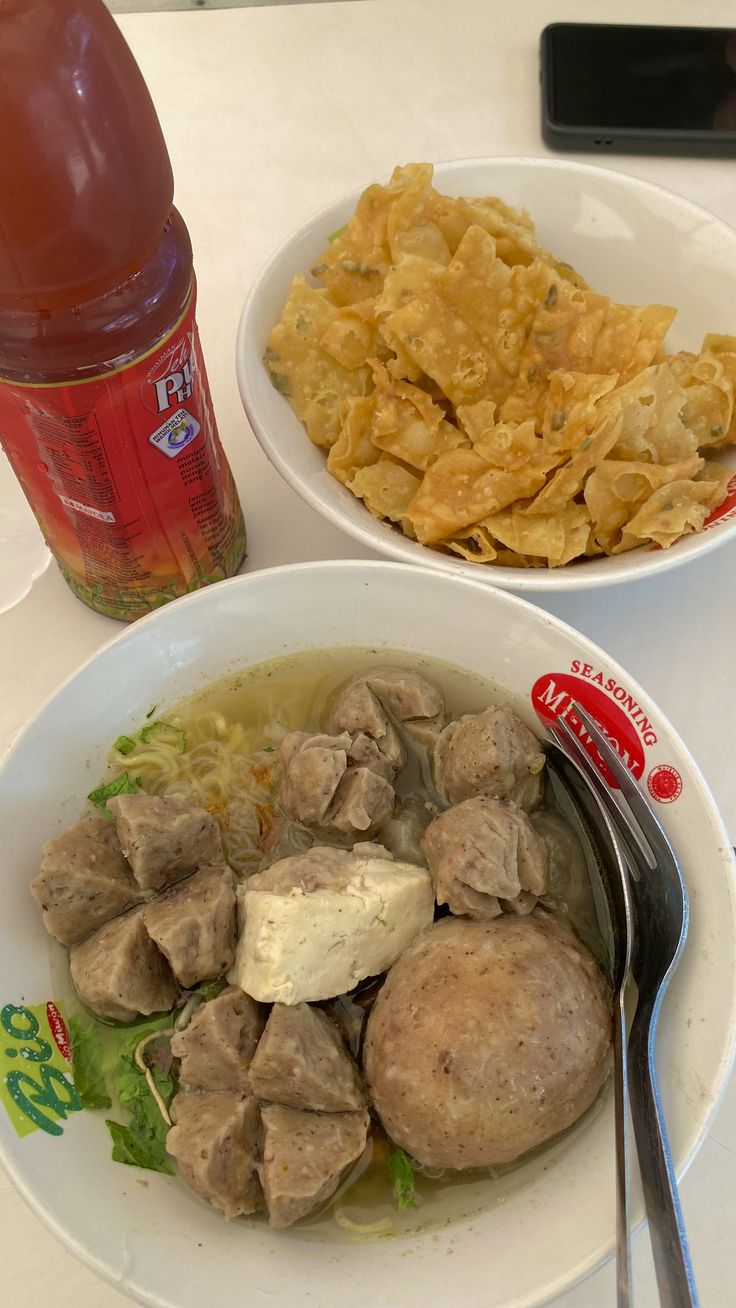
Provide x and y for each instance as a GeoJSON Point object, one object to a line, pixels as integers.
{"type": "Point", "coordinates": [621, 1113]}
{"type": "Point", "coordinates": [672, 1264]}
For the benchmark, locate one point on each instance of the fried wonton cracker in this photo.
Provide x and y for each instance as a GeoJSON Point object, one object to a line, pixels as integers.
{"type": "Point", "coordinates": [568, 481]}
{"type": "Point", "coordinates": [616, 489]}
{"type": "Point", "coordinates": [356, 261]}
{"type": "Point", "coordinates": [460, 489]}
{"type": "Point", "coordinates": [709, 395]}
{"type": "Point", "coordinates": [673, 511]}
{"type": "Point", "coordinates": [313, 382]}
{"type": "Point", "coordinates": [557, 537]}
{"type": "Point", "coordinates": [386, 487]}
{"type": "Point", "coordinates": [570, 407]}
{"type": "Point", "coordinates": [411, 276]}
{"type": "Point", "coordinates": [408, 424]}
{"type": "Point", "coordinates": [630, 338]}
{"type": "Point", "coordinates": [351, 339]}
{"type": "Point", "coordinates": [651, 405]}
{"type": "Point", "coordinates": [354, 446]}
{"type": "Point", "coordinates": [562, 335]}
{"type": "Point", "coordinates": [468, 331]}
{"type": "Point", "coordinates": [475, 545]}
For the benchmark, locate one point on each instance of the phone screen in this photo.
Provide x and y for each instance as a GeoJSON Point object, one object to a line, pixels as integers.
{"type": "Point", "coordinates": [671, 79]}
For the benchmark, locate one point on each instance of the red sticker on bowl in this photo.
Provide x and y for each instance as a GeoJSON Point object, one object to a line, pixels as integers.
{"type": "Point", "coordinates": [553, 695]}
{"type": "Point", "coordinates": [58, 1029]}
{"type": "Point", "coordinates": [664, 783]}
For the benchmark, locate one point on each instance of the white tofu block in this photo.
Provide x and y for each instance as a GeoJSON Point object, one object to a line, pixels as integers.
{"type": "Point", "coordinates": [309, 944]}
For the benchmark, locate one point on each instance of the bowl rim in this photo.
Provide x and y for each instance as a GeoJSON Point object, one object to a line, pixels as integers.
{"type": "Point", "coordinates": [66, 1237]}
{"type": "Point", "coordinates": [376, 534]}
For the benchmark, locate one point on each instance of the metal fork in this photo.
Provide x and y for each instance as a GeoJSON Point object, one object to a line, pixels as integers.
{"type": "Point", "coordinates": [660, 927]}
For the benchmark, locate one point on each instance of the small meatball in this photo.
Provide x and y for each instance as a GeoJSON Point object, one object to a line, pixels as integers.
{"type": "Point", "coordinates": [313, 768]}
{"type": "Point", "coordinates": [84, 880]}
{"type": "Point", "coordinates": [304, 1158]}
{"type": "Point", "coordinates": [490, 753]}
{"type": "Point", "coordinates": [194, 924]}
{"type": "Point", "coordinates": [215, 1144]}
{"type": "Point", "coordinates": [484, 850]}
{"type": "Point", "coordinates": [302, 1062]}
{"type": "Point", "coordinates": [217, 1047]}
{"type": "Point", "coordinates": [487, 1039]}
{"type": "Point", "coordinates": [119, 972]}
{"type": "Point", "coordinates": [363, 801]}
{"type": "Point", "coordinates": [164, 839]}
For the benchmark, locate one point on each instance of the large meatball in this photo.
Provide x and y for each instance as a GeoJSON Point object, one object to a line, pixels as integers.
{"type": "Point", "coordinates": [487, 1039]}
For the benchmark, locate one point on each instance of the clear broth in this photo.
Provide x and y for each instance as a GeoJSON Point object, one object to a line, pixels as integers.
{"type": "Point", "coordinates": [297, 692]}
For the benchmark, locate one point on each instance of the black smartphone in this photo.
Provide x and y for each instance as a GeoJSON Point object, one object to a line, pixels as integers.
{"type": "Point", "coordinates": [642, 90]}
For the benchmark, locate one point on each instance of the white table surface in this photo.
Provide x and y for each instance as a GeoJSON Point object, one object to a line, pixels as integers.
{"type": "Point", "coordinates": [268, 114]}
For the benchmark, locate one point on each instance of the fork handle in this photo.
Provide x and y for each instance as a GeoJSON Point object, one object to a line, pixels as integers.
{"type": "Point", "coordinates": [672, 1264]}
{"type": "Point", "coordinates": [621, 1113]}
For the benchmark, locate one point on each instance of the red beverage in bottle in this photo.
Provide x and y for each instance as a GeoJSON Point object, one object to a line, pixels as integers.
{"type": "Point", "coordinates": [105, 412]}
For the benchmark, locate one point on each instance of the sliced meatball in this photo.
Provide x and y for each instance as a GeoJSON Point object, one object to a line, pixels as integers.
{"type": "Point", "coordinates": [84, 880]}
{"type": "Point", "coordinates": [217, 1046]}
{"type": "Point", "coordinates": [302, 1062]}
{"type": "Point", "coordinates": [490, 753]}
{"type": "Point", "coordinates": [482, 851]}
{"type": "Point", "coordinates": [194, 923]}
{"type": "Point", "coordinates": [335, 781]}
{"type": "Point", "coordinates": [215, 1143]}
{"type": "Point", "coordinates": [119, 971]}
{"type": "Point", "coordinates": [363, 801]}
{"type": "Point", "coordinates": [313, 768]}
{"type": "Point", "coordinates": [405, 694]}
{"type": "Point", "coordinates": [487, 1039]}
{"type": "Point", "coordinates": [164, 838]}
{"type": "Point", "coordinates": [304, 1158]}
{"type": "Point", "coordinates": [357, 709]}
{"type": "Point", "coordinates": [364, 752]}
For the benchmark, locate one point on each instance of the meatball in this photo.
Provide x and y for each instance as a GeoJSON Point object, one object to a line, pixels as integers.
{"type": "Point", "coordinates": [490, 753]}
{"type": "Point", "coordinates": [487, 1039]}
{"type": "Point", "coordinates": [482, 851]}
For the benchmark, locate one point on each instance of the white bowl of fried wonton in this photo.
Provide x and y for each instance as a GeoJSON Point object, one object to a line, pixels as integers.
{"type": "Point", "coordinates": [630, 240]}
{"type": "Point", "coordinates": [148, 1234]}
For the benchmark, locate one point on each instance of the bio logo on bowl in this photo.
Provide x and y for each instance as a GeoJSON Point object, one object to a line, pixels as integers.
{"type": "Point", "coordinates": [619, 715]}
{"type": "Point", "coordinates": [35, 1086]}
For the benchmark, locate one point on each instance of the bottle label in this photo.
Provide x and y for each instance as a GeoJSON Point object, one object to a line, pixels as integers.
{"type": "Point", "coordinates": [127, 477]}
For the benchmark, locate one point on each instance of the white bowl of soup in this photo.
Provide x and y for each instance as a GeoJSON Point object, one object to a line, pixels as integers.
{"type": "Point", "coordinates": [225, 674]}
{"type": "Point", "coordinates": [431, 458]}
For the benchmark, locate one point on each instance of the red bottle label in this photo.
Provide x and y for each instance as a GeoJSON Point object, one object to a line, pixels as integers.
{"type": "Point", "coordinates": [127, 477]}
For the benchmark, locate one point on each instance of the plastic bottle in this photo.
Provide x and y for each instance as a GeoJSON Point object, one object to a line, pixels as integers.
{"type": "Point", "coordinates": [105, 412]}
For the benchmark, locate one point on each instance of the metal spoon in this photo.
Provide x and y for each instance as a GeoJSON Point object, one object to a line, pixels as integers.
{"type": "Point", "coordinates": [660, 927]}
{"type": "Point", "coordinates": [579, 802]}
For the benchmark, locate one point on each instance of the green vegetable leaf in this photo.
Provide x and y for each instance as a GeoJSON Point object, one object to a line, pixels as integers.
{"type": "Point", "coordinates": [141, 1142]}
{"type": "Point", "coordinates": [87, 1065]}
{"type": "Point", "coordinates": [124, 745]}
{"type": "Point", "coordinates": [121, 785]}
{"type": "Point", "coordinates": [401, 1170]}
{"type": "Point", "coordinates": [151, 711]}
{"type": "Point", "coordinates": [130, 1146]}
{"type": "Point", "coordinates": [335, 236]}
{"type": "Point", "coordinates": [164, 733]}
